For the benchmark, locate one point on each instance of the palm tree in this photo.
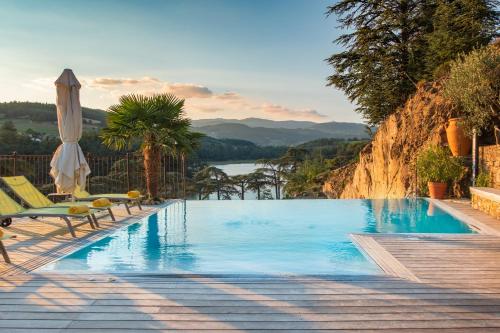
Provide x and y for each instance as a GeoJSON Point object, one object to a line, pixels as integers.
{"type": "Point", "coordinates": [158, 122]}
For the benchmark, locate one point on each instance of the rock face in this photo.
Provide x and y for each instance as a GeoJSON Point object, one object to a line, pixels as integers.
{"type": "Point", "coordinates": [386, 166]}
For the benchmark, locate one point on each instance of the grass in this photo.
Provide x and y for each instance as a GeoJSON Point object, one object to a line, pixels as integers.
{"type": "Point", "coordinates": [45, 127]}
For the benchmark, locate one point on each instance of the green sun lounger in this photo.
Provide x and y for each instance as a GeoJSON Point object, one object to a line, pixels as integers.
{"type": "Point", "coordinates": [11, 209]}
{"type": "Point", "coordinates": [30, 195]}
{"type": "Point", "coordinates": [113, 197]}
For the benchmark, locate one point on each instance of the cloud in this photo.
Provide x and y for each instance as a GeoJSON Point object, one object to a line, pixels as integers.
{"type": "Point", "coordinates": [105, 82]}
{"type": "Point", "coordinates": [188, 90]}
{"type": "Point", "coordinates": [229, 96]}
{"type": "Point", "coordinates": [283, 112]}
{"type": "Point", "coordinates": [200, 100]}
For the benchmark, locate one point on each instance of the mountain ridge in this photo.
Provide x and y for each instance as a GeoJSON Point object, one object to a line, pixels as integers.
{"type": "Point", "coordinates": [42, 118]}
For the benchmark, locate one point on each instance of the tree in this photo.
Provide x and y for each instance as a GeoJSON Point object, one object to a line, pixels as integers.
{"type": "Point", "coordinates": [273, 170]}
{"type": "Point", "coordinates": [459, 26]}
{"type": "Point", "coordinates": [240, 183]}
{"type": "Point", "coordinates": [257, 181]}
{"type": "Point", "coordinates": [386, 50]}
{"type": "Point", "coordinates": [473, 86]}
{"type": "Point", "coordinates": [8, 133]}
{"type": "Point", "coordinates": [293, 158]}
{"type": "Point", "coordinates": [158, 122]}
{"type": "Point", "coordinates": [212, 179]}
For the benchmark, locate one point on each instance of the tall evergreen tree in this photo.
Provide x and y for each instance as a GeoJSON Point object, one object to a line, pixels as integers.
{"type": "Point", "coordinates": [386, 49]}
{"type": "Point", "coordinates": [459, 26]}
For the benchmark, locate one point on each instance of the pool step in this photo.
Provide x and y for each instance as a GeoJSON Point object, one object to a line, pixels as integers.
{"type": "Point", "coordinates": [487, 200]}
{"type": "Point", "coordinates": [386, 261]}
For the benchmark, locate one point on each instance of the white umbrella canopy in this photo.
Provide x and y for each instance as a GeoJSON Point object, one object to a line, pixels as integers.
{"type": "Point", "coordinates": [68, 166]}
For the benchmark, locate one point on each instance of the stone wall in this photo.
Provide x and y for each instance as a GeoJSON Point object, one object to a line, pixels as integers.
{"type": "Point", "coordinates": [486, 205]}
{"type": "Point", "coordinates": [489, 159]}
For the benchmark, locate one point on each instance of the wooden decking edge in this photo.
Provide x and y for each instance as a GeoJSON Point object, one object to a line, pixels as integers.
{"type": "Point", "coordinates": [386, 261]}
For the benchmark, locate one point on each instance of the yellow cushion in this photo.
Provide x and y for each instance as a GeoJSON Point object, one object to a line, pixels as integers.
{"type": "Point", "coordinates": [6, 235]}
{"type": "Point", "coordinates": [80, 194]}
{"type": "Point", "coordinates": [102, 202]}
{"type": "Point", "coordinates": [7, 205]}
{"type": "Point", "coordinates": [78, 210]}
{"type": "Point", "coordinates": [25, 190]}
{"type": "Point", "coordinates": [134, 194]}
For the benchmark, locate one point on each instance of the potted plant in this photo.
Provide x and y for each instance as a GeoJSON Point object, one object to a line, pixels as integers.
{"type": "Point", "coordinates": [436, 168]}
{"type": "Point", "coordinates": [460, 143]}
{"type": "Point", "coordinates": [472, 87]}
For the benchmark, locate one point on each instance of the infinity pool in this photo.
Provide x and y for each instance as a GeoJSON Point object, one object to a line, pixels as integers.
{"type": "Point", "coordinates": [257, 237]}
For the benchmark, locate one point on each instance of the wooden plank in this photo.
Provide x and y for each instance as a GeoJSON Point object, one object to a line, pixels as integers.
{"type": "Point", "coordinates": [384, 259]}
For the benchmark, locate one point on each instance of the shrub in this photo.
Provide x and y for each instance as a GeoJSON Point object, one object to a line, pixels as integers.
{"type": "Point", "coordinates": [474, 87]}
{"type": "Point", "coordinates": [483, 179]}
{"type": "Point", "coordinates": [435, 164]}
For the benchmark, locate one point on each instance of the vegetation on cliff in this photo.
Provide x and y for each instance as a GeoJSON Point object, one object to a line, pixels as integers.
{"type": "Point", "coordinates": [397, 57]}
{"type": "Point", "coordinates": [473, 85]}
{"type": "Point", "coordinates": [297, 174]}
{"type": "Point", "coordinates": [393, 44]}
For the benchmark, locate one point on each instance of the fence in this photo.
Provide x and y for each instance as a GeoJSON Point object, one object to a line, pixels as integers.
{"type": "Point", "coordinates": [110, 174]}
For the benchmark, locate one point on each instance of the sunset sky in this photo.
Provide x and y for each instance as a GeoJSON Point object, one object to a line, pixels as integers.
{"type": "Point", "coordinates": [228, 58]}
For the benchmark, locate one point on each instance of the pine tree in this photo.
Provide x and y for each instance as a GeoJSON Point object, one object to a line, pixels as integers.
{"type": "Point", "coordinates": [459, 26]}
{"type": "Point", "coordinates": [387, 47]}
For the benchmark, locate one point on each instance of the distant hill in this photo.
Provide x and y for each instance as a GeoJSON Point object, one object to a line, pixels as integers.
{"type": "Point", "coordinates": [255, 122]}
{"type": "Point", "coordinates": [231, 150]}
{"type": "Point", "coordinates": [278, 133]}
{"type": "Point", "coordinates": [42, 117]}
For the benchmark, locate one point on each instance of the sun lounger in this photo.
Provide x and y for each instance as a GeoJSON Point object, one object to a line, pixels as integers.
{"type": "Point", "coordinates": [5, 236]}
{"type": "Point", "coordinates": [114, 197]}
{"type": "Point", "coordinates": [30, 195]}
{"type": "Point", "coordinates": [11, 209]}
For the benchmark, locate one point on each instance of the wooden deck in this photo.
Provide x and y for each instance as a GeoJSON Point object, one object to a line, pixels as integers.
{"type": "Point", "coordinates": [449, 283]}
{"type": "Point", "coordinates": [40, 241]}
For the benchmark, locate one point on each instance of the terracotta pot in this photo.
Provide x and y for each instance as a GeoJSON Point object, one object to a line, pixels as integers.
{"type": "Point", "coordinates": [437, 190]}
{"type": "Point", "coordinates": [460, 144]}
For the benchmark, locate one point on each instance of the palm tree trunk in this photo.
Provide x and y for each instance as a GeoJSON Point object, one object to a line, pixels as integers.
{"type": "Point", "coordinates": [152, 170]}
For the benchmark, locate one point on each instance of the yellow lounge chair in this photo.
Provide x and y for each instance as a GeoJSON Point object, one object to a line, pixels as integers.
{"type": "Point", "coordinates": [114, 197]}
{"type": "Point", "coordinates": [30, 195]}
{"type": "Point", "coordinates": [4, 235]}
{"type": "Point", "coordinates": [10, 209]}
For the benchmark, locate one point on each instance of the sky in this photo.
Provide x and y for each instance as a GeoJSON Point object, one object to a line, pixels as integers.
{"type": "Point", "coordinates": [227, 58]}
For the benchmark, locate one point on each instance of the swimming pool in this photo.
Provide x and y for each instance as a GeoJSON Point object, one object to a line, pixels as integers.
{"type": "Point", "coordinates": [307, 237]}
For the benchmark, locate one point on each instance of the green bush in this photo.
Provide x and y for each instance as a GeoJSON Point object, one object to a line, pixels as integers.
{"type": "Point", "coordinates": [483, 179]}
{"type": "Point", "coordinates": [436, 164]}
{"type": "Point", "coordinates": [474, 86]}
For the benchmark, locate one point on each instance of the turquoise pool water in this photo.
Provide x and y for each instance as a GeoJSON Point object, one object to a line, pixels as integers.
{"type": "Point", "coordinates": [257, 237]}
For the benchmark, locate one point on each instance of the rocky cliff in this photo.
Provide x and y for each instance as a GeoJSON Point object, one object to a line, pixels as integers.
{"type": "Point", "coordinates": [386, 167]}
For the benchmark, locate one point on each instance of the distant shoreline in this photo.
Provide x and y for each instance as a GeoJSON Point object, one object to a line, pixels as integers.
{"type": "Point", "coordinates": [231, 162]}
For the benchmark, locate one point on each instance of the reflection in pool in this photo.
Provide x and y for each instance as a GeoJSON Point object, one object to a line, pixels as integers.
{"type": "Point", "coordinates": [257, 237]}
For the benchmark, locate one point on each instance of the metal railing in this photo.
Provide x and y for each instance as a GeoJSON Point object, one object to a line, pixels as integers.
{"type": "Point", "coordinates": [110, 174]}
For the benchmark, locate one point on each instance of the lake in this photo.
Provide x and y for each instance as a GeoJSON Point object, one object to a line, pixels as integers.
{"type": "Point", "coordinates": [234, 169]}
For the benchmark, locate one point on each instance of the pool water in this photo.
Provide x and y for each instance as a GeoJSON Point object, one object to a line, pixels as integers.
{"type": "Point", "coordinates": [304, 237]}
